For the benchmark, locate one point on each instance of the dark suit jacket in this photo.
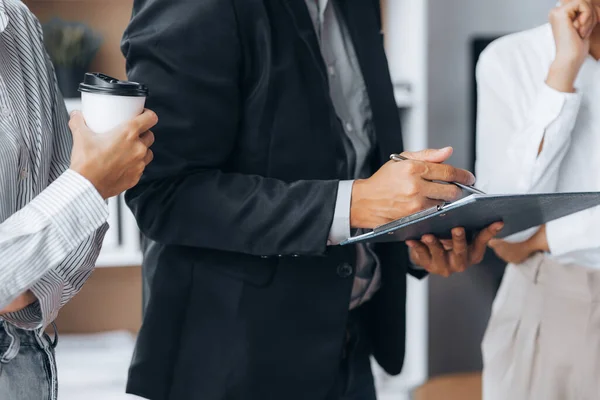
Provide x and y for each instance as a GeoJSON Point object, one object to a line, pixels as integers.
{"type": "Point", "coordinates": [246, 301]}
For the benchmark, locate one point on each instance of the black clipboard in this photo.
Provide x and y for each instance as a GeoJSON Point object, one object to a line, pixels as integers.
{"type": "Point", "coordinates": [475, 212]}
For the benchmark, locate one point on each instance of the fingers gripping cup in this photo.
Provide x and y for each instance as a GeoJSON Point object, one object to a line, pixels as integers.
{"type": "Point", "coordinates": [108, 102]}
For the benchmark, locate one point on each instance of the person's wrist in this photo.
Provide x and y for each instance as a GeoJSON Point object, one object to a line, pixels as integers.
{"type": "Point", "coordinates": [541, 240]}
{"type": "Point", "coordinates": [20, 303]}
{"type": "Point", "coordinates": [562, 74]}
{"type": "Point", "coordinates": [360, 217]}
{"type": "Point", "coordinates": [356, 199]}
{"type": "Point", "coordinates": [88, 173]}
{"type": "Point", "coordinates": [531, 247]}
{"type": "Point", "coordinates": [538, 242]}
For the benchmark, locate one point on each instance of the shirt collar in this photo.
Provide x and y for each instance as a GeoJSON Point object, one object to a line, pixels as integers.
{"type": "Point", "coordinates": [322, 7]}
{"type": "Point", "coordinates": [3, 17]}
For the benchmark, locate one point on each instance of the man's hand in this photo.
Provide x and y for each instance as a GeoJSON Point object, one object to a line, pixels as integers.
{"type": "Point", "coordinates": [516, 253]}
{"type": "Point", "coordinates": [446, 257]}
{"type": "Point", "coordinates": [19, 303]}
{"type": "Point", "coordinates": [113, 162]}
{"type": "Point", "coordinates": [402, 188]}
{"type": "Point", "coordinates": [572, 25]}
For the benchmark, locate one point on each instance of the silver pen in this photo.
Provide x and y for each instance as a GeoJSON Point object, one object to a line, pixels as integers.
{"type": "Point", "coordinates": [470, 189]}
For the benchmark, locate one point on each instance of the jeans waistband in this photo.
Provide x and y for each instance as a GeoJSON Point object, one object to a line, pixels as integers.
{"type": "Point", "coordinates": [12, 338]}
{"type": "Point", "coordinates": [26, 338]}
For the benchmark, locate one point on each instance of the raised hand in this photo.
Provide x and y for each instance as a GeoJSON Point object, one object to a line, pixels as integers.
{"type": "Point", "coordinates": [572, 25]}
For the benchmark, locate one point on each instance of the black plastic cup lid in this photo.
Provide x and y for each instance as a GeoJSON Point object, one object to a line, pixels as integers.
{"type": "Point", "coordinates": [103, 84]}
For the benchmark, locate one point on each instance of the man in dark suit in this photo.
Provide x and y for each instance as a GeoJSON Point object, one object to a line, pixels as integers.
{"type": "Point", "coordinates": [274, 115]}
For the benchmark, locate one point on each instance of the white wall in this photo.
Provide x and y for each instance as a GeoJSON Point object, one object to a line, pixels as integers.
{"type": "Point", "coordinates": [459, 307]}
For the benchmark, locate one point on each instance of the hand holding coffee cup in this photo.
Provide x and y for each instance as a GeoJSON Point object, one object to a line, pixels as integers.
{"type": "Point", "coordinates": [107, 102]}
{"type": "Point", "coordinates": [114, 161]}
{"type": "Point", "coordinates": [112, 137]}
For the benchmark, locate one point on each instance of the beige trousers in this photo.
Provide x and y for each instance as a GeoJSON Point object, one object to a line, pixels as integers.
{"type": "Point", "coordinates": [543, 339]}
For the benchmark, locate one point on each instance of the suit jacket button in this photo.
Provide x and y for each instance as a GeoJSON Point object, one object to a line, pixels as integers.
{"type": "Point", "coordinates": [264, 256]}
{"type": "Point", "coordinates": [344, 270]}
{"type": "Point", "coordinates": [295, 255]}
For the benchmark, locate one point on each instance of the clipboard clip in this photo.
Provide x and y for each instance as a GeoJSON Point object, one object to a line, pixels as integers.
{"type": "Point", "coordinates": [410, 218]}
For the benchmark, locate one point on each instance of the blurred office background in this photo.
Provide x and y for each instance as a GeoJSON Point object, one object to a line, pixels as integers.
{"type": "Point", "coordinates": [432, 46]}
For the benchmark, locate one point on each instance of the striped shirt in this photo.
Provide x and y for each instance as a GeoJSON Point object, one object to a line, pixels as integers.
{"type": "Point", "coordinates": [52, 220]}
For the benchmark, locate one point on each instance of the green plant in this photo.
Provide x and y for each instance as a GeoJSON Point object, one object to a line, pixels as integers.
{"type": "Point", "coordinates": [70, 44]}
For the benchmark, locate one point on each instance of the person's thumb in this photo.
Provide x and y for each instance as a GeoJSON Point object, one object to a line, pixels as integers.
{"type": "Point", "coordinates": [430, 155]}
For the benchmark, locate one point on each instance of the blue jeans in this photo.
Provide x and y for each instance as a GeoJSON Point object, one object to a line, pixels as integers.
{"type": "Point", "coordinates": [27, 365]}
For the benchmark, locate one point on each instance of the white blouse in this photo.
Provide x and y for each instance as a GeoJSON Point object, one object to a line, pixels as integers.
{"type": "Point", "coordinates": [516, 109]}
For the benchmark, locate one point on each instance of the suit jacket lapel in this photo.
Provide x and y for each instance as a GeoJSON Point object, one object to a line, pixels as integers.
{"type": "Point", "coordinates": [364, 24]}
{"type": "Point", "coordinates": [304, 25]}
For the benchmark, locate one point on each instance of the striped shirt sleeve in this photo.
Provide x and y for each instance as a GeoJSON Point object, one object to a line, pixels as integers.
{"type": "Point", "coordinates": [76, 215]}
{"type": "Point", "coordinates": [42, 234]}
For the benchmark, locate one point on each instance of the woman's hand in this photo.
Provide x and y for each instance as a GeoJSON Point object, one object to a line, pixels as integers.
{"type": "Point", "coordinates": [572, 25]}
{"type": "Point", "coordinates": [19, 303]}
{"type": "Point", "coordinates": [516, 253]}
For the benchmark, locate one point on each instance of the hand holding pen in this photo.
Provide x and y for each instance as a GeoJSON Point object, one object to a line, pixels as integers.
{"type": "Point", "coordinates": [419, 182]}
{"type": "Point", "coordinates": [399, 189]}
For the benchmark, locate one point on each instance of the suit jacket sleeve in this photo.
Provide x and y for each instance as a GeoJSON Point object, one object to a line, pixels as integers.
{"type": "Point", "coordinates": [189, 54]}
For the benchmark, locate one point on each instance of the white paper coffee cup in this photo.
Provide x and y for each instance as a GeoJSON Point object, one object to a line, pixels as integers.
{"type": "Point", "coordinates": [107, 102]}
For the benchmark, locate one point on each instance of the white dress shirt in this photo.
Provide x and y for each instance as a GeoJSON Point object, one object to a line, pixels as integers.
{"type": "Point", "coordinates": [516, 110]}
{"type": "Point", "coordinates": [52, 220]}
